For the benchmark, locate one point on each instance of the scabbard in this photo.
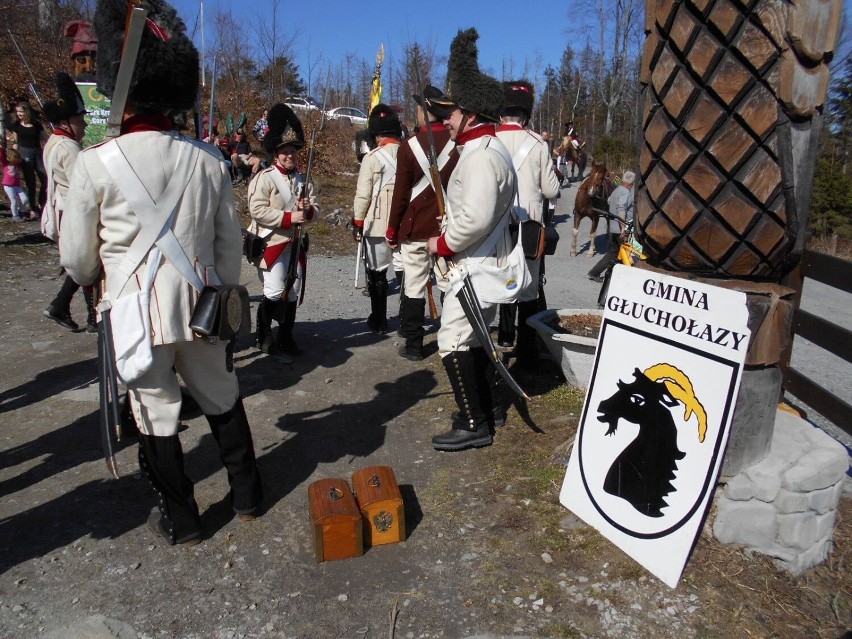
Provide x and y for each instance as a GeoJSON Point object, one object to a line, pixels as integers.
{"type": "Point", "coordinates": [473, 312]}
{"type": "Point", "coordinates": [106, 427]}
{"type": "Point", "coordinates": [358, 261]}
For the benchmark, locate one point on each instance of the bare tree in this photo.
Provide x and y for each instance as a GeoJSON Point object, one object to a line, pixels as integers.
{"type": "Point", "coordinates": [274, 44]}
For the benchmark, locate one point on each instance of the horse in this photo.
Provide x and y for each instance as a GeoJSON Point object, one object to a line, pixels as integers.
{"type": "Point", "coordinates": [591, 199]}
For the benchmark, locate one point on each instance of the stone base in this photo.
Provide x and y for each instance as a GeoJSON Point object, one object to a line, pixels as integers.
{"type": "Point", "coordinates": [785, 505]}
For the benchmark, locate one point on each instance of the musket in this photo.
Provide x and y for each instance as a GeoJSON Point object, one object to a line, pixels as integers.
{"type": "Point", "coordinates": [296, 235]}
{"type": "Point", "coordinates": [430, 298]}
{"type": "Point", "coordinates": [108, 375]}
{"type": "Point", "coordinates": [466, 295]}
{"type": "Point", "coordinates": [32, 83]}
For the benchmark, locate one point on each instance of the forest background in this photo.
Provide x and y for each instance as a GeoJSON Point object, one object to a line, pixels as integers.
{"type": "Point", "coordinates": [595, 83]}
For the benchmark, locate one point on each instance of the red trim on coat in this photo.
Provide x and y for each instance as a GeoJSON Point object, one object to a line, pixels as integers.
{"type": "Point", "coordinates": [146, 122]}
{"type": "Point", "coordinates": [443, 249]}
{"type": "Point", "coordinates": [476, 132]}
{"type": "Point", "coordinates": [510, 126]}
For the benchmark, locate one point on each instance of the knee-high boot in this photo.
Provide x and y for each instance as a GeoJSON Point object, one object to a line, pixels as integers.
{"type": "Point", "coordinates": [378, 285]}
{"type": "Point", "coordinates": [526, 350]}
{"type": "Point", "coordinates": [286, 343]}
{"type": "Point", "coordinates": [161, 459]}
{"type": "Point", "coordinates": [265, 312]}
{"type": "Point", "coordinates": [236, 450]}
{"type": "Point", "coordinates": [400, 278]}
{"type": "Point", "coordinates": [471, 430]}
{"type": "Point", "coordinates": [411, 316]}
{"type": "Point", "coordinates": [506, 327]}
{"type": "Point", "coordinates": [91, 313]}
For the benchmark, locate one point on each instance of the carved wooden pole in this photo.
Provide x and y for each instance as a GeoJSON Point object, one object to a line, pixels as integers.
{"type": "Point", "coordinates": [733, 93]}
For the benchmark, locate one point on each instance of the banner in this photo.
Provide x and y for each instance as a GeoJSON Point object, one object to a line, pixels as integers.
{"type": "Point", "coordinates": [97, 107]}
{"type": "Point", "coordinates": [657, 414]}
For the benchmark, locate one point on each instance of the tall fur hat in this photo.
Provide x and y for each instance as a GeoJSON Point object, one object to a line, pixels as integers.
{"type": "Point", "coordinates": [518, 95]}
{"type": "Point", "coordinates": [434, 101]}
{"type": "Point", "coordinates": [469, 88]}
{"type": "Point", "coordinates": [68, 103]}
{"type": "Point", "coordinates": [166, 74]}
{"type": "Point", "coordinates": [284, 128]}
{"type": "Point", "coordinates": [384, 121]}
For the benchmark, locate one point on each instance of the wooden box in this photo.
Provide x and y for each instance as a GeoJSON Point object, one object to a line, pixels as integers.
{"type": "Point", "coordinates": [336, 520]}
{"type": "Point", "coordinates": [381, 505]}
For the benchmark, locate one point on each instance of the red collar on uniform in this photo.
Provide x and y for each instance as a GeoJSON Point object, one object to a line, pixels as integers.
{"type": "Point", "coordinates": [284, 171]}
{"type": "Point", "coordinates": [478, 131]}
{"type": "Point", "coordinates": [510, 126]}
{"type": "Point", "coordinates": [389, 141]}
{"type": "Point", "coordinates": [146, 122]}
{"type": "Point", "coordinates": [63, 133]}
{"type": "Point", "coordinates": [438, 126]}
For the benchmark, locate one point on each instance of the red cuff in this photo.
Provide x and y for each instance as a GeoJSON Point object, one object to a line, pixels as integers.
{"type": "Point", "coordinates": [358, 223]}
{"type": "Point", "coordinates": [443, 249]}
{"type": "Point", "coordinates": [285, 221]}
{"type": "Point", "coordinates": [391, 234]}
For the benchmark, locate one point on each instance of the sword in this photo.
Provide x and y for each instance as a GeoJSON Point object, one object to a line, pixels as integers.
{"type": "Point", "coordinates": [110, 420]}
{"type": "Point", "coordinates": [473, 311]}
{"type": "Point", "coordinates": [358, 260]}
{"type": "Point", "coordinates": [132, 40]}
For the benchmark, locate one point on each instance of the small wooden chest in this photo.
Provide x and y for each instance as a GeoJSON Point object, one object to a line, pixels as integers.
{"type": "Point", "coordinates": [336, 520]}
{"type": "Point", "coordinates": [381, 505]}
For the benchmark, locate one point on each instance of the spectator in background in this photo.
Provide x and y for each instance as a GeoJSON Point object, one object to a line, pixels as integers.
{"type": "Point", "coordinates": [11, 162]}
{"type": "Point", "coordinates": [261, 127]}
{"type": "Point", "coordinates": [31, 137]}
{"type": "Point", "coordinates": [244, 161]}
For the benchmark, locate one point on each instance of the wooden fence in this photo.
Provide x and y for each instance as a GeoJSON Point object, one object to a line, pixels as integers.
{"type": "Point", "coordinates": [837, 273]}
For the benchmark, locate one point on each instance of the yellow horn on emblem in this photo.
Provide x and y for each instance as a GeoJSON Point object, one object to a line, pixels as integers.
{"type": "Point", "coordinates": [681, 389]}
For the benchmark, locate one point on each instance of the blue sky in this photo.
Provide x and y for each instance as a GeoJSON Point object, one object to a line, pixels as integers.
{"type": "Point", "coordinates": [335, 28]}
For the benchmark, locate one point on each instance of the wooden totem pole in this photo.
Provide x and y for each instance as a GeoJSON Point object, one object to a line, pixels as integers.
{"type": "Point", "coordinates": [733, 92]}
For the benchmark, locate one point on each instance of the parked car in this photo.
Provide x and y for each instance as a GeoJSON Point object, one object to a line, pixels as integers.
{"type": "Point", "coordinates": [303, 103]}
{"type": "Point", "coordinates": [347, 114]}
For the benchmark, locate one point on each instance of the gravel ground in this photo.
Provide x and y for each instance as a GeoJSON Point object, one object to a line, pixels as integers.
{"type": "Point", "coordinates": [76, 559]}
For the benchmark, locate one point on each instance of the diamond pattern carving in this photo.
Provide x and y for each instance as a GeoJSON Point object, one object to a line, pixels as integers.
{"type": "Point", "coordinates": [713, 238]}
{"type": "Point", "coordinates": [703, 118]}
{"type": "Point", "coordinates": [703, 178]}
{"type": "Point", "coordinates": [659, 183]}
{"type": "Point", "coordinates": [759, 109]}
{"type": "Point", "coordinates": [761, 50]}
{"type": "Point", "coordinates": [762, 176]}
{"type": "Point", "coordinates": [683, 30]}
{"type": "Point", "coordinates": [731, 145]}
{"type": "Point", "coordinates": [725, 17]}
{"type": "Point", "coordinates": [680, 93]}
{"type": "Point", "coordinates": [678, 153]}
{"type": "Point", "coordinates": [733, 207]}
{"type": "Point", "coordinates": [680, 208]}
{"type": "Point", "coordinates": [666, 66]}
{"type": "Point", "coordinates": [659, 131]}
{"type": "Point", "coordinates": [704, 54]}
{"type": "Point", "coordinates": [729, 79]}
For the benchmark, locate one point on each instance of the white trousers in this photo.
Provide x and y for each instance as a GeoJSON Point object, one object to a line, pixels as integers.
{"type": "Point", "coordinates": [416, 265]}
{"type": "Point", "coordinates": [456, 333]}
{"type": "Point", "coordinates": [155, 396]}
{"type": "Point", "coordinates": [275, 278]}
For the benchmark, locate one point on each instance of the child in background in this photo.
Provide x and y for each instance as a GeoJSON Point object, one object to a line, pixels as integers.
{"type": "Point", "coordinates": [11, 162]}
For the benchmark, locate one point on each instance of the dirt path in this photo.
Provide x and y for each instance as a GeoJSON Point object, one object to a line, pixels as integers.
{"type": "Point", "coordinates": [490, 552]}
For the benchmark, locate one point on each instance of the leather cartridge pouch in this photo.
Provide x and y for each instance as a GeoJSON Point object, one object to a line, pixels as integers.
{"type": "Point", "coordinates": [253, 247]}
{"type": "Point", "coordinates": [532, 238]}
{"type": "Point", "coordinates": [222, 312]}
{"type": "Point", "coordinates": [551, 239]}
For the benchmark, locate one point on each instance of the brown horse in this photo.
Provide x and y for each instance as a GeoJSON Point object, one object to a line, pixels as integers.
{"type": "Point", "coordinates": [591, 199]}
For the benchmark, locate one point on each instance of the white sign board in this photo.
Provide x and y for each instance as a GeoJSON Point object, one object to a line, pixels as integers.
{"type": "Point", "coordinates": [655, 421]}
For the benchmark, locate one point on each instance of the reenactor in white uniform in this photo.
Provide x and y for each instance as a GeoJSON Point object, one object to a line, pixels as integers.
{"type": "Point", "coordinates": [537, 183]}
{"type": "Point", "coordinates": [480, 194]}
{"type": "Point", "coordinates": [371, 209]}
{"type": "Point", "coordinates": [98, 229]}
{"type": "Point", "coordinates": [65, 113]}
{"type": "Point", "coordinates": [279, 200]}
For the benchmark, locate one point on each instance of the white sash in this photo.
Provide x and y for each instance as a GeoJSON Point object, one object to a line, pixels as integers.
{"type": "Point", "coordinates": [420, 155]}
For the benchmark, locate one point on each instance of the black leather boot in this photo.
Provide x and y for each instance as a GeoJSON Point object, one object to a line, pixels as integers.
{"type": "Point", "coordinates": [236, 450]}
{"type": "Point", "coordinates": [400, 280]}
{"type": "Point", "coordinates": [472, 429]}
{"type": "Point", "coordinates": [59, 310]}
{"type": "Point", "coordinates": [489, 385]}
{"type": "Point", "coordinates": [286, 343]}
{"type": "Point", "coordinates": [265, 312]}
{"type": "Point", "coordinates": [91, 312]}
{"type": "Point", "coordinates": [378, 287]}
{"type": "Point", "coordinates": [526, 349]}
{"type": "Point", "coordinates": [161, 459]}
{"type": "Point", "coordinates": [506, 327]}
{"type": "Point", "coordinates": [411, 316]}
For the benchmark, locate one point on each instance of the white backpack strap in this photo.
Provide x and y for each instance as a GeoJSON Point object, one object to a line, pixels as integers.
{"type": "Point", "coordinates": [153, 216]}
{"type": "Point", "coordinates": [523, 152]}
{"type": "Point", "coordinates": [388, 169]}
{"type": "Point", "coordinates": [423, 161]}
{"type": "Point", "coordinates": [283, 188]}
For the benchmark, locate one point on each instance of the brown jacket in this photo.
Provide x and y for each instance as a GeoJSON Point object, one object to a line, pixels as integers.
{"type": "Point", "coordinates": [417, 220]}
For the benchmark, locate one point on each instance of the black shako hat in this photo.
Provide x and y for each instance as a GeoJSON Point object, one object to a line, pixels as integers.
{"type": "Point", "coordinates": [166, 74]}
{"type": "Point", "coordinates": [284, 128]}
{"type": "Point", "coordinates": [469, 88]}
{"type": "Point", "coordinates": [68, 103]}
{"type": "Point", "coordinates": [434, 101]}
{"type": "Point", "coordinates": [518, 95]}
{"type": "Point", "coordinates": [384, 121]}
